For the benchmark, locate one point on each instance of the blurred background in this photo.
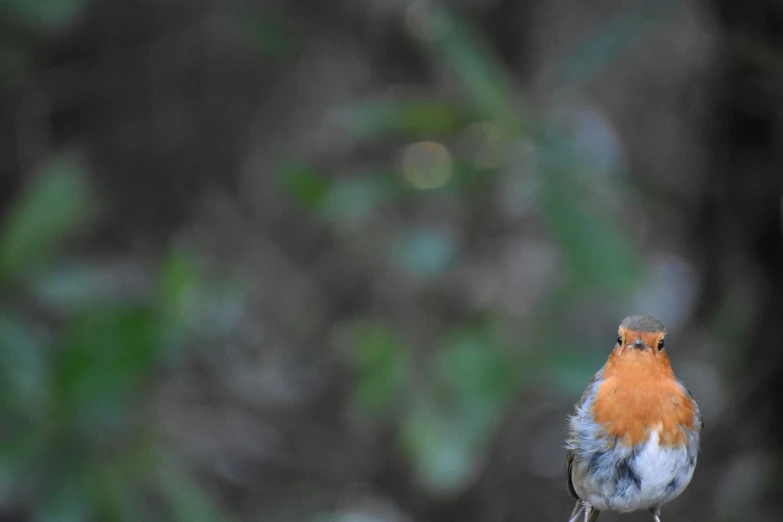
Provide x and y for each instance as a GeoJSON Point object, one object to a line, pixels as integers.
{"type": "Point", "coordinates": [355, 260]}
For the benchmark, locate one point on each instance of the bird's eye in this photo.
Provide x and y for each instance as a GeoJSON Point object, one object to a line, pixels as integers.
{"type": "Point", "coordinates": [660, 344]}
{"type": "Point", "coordinates": [619, 340]}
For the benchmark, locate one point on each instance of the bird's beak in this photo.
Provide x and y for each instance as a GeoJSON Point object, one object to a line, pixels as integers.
{"type": "Point", "coordinates": [639, 344]}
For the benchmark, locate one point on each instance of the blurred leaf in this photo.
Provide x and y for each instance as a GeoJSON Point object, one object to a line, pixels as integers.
{"type": "Point", "coordinates": [49, 15]}
{"type": "Point", "coordinates": [192, 302]}
{"type": "Point", "coordinates": [52, 208]}
{"type": "Point", "coordinates": [114, 494]}
{"type": "Point", "coordinates": [188, 501]}
{"type": "Point", "coordinates": [305, 185]}
{"type": "Point", "coordinates": [178, 276]}
{"type": "Point", "coordinates": [444, 456]}
{"type": "Point", "coordinates": [266, 31]}
{"type": "Point", "coordinates": [119, 480]}
{"type": "Point", "coordinates": [72, 497]}
{"type": "Point", "coordinates": [426, 252]}
{"type": "Point", "coordinates": [23, 372]}
{"type": "Point", "coordinates": [608, 43]}
{"type": "Point", "coordinates": [105, 356]}
{"type": "Point", "coordinates": [597, 252]}
{"type": "Point", "coordinates": [355, 200]}
{"type": "Point", "coordinates": [24, 388]}
{"type": "Point", "coordinates": [178, 273]}
{"type": "Point", "coordinates": [414, 120]}
{"type": "Point", "coordinates": [477, 69]}
{"type": "Point", "coordinates": [382, 364]}
{"type": "Point", "coordinates": [73, 286]}
{"type": "Point", "coordinates": [481, 373]}
{"type": "Point", "coordinates": [20, 452]}
{"type": "Point", "coordinates": [475, 380]}
{"type": "Point", "coordinates": [70, 286]}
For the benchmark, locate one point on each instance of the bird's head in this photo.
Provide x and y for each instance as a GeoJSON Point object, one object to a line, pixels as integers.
{"type": "Point", "coordinates": [641, 332]}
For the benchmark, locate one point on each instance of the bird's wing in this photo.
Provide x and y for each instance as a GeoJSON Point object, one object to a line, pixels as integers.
{"type": "Point", "coordinates": [569, 466]}
{"type": "Point", "coordinates": [569, 460]}
{"type": "Point", "coordinates": [698, 411]}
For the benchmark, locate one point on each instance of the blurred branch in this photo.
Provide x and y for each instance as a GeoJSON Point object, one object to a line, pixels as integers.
{"type": "Point", "coordinates": [607, 44]}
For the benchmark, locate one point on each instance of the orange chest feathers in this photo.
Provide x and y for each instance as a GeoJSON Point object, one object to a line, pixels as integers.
{"type": "Point", "coordinates": [639, 393]}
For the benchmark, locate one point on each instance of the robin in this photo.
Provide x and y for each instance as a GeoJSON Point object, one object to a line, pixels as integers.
{"type": "Point", "coordinates": [633, 440]}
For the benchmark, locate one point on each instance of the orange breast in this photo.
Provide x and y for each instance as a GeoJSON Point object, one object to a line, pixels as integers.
{"type": "Point", "coordinates": [638, 394]}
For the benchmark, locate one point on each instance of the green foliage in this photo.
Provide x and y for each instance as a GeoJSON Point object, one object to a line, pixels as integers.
{"type": "Point", "coordinates": [441, 450]}
{"type": "Point", "coordinates": [382, 364]}
{"type": "Point", "coordinates": [54, 206]}
{"type": "Point", "coordinates": [265, 31]}
{"type": "Point", "coordinates": [476, 69]}
{"type": "Point", "coordinates": [186, 498]}
{"type": "Point", "coordinates": [411, 119]}
{"type": "Point", "coordinates": [449, 404]}
{"type": "Point", "coordinates": [74, 439]}
{"type": "Point", "coordinates": [597, 253]}
{"type": "Point", "coordinates": [338, 201]}
{"type": "Point", "coordinates": [104, 356]}
{"type": "Point", "coordinates": [477, 370]}
{"type": "Point", "coordinates": [355, 200]}
{"type": "Point", "coordinates": [72, 385]}
{"type": "Point", "coordinates": [446, 414]}
{"type": "Point", "coordinates": [609, 42]}
{"type": "Point", "coordinates": [305, 185]}
{"type": "Point", "coordinates": [24, 379]}
{"type": "Point", "coordinates": [472, 384]}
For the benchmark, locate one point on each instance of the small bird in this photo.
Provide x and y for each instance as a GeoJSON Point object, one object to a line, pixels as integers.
{"type": "Point", "coordinates": [634, 437]}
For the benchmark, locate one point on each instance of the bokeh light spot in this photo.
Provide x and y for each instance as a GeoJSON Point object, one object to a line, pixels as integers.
{"type": "Point", "coordinates": [427, 165]}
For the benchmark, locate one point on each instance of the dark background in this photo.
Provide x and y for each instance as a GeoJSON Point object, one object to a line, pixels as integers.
{"type": "Point", "coordinates": [355, 260]}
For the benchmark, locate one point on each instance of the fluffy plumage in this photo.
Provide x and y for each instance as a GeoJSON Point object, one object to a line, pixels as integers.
{"type": "Point", "coordinates": [634, 438]}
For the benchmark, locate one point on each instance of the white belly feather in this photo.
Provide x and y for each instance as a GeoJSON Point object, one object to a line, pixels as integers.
{"type": "Point", "coordinates": [627, 479]}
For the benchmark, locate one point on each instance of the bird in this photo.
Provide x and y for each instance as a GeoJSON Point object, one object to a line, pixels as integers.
{"type": "Point", "coordinates": [634, 437]}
